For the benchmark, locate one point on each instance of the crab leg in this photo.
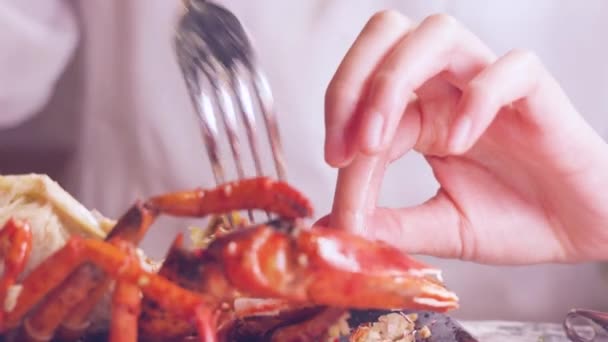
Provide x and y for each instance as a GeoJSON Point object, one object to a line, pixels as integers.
{"type": "Point", "coordinates": [74, 295]}
{"type": "Point", "coordinates": [15, 248]}
{"type": "Point", "coordinates": [206, 323]}
{"type": "Point", "coordinates": [126, 305]}
{"type": "Point", "coordinates": [72, 303]}
{"type": "Point", "coordinates": [77, 321]}
{"type": "Point", "coordinates": [57, 303]}
{"type": "Point", "coordinates": [116, 263]}
{"type": "Point", "coordinates": [255, 193]}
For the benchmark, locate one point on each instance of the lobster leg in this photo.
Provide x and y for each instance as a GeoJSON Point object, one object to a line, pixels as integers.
{"type": "Point", "coordinates": [74, 297]}
{"type": "Point", "coordinates": [126, 307]}
{"type": "Point", "coordinates": [15, 248]}
{"type": "Point", "coordinates": [86, 290]}
{"type": "Point", "coordinates": [206, 323]}
{"type": "Point", "coordinates": [116, 263]}
{"type": "Point", "coordinates": [125, 311]}
{"type": "Point", "coordinates": [191, 270]}
{"type": "Point", "coordinates": [77, 322]}
{"type": "Point", "coordinates": [255, 193]}
{"type": "Point", "coordinates": [61, 300]}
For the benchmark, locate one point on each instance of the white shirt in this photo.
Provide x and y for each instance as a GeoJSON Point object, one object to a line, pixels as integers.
{"type": "Point", "coordinates": [139, 135]}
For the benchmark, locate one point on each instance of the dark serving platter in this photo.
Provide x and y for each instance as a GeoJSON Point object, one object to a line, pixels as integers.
{"type": "Point", "coordinates": [443, 327]}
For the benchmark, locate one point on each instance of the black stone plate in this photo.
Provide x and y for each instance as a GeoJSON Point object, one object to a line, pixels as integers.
{"type": "Point", "coordinates": [443, 328]}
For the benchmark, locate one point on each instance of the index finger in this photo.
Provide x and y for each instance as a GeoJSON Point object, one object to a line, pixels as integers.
{"type": "Point", "coordinates": [345, 90]}
{"type": "Point", "coordinates": [359, 183]}
{"type": "Point", "coordinates": [357, 191]}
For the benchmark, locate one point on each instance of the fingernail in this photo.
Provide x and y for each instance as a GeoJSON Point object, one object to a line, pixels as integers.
{"type": "Point", "coordinates": [460, 135]}
{"type": "Point", "coordinates": [375, 131]}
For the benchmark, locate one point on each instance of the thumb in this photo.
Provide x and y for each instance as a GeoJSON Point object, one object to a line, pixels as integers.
{"type": "Point", "coordinates": [434, 227]}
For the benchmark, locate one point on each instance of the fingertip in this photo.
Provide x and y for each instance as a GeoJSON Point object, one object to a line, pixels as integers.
{"type": "Point", "coordinates": [474, 113]}
{"type": "Point", "coordinates": [338, 151]}
{"type": "Point", "coordinates": [340, 163]}
{"type": "Point", "coordinates": [333, 150]}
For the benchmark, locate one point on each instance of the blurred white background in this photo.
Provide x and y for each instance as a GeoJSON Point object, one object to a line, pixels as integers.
{"type": "Point", "coordinates": [118, 124]}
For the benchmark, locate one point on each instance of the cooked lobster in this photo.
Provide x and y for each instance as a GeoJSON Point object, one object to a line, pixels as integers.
{"type": "Point", "coordinates": [204, 292]}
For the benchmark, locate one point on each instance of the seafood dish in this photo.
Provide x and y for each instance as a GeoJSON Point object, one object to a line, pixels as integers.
{"type": "Point", "coordinates": [69, 273]}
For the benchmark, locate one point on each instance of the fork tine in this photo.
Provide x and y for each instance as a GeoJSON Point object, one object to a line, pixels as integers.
{"type": "Point", "coordinates": [192, 70]}
{"type": "Point", "coordinates": [227, 111]}
{"type": "Point", "coordinates": [222, 86]}
{"type": "Point", "coordinates": [266, 100]}
{"type": "Point", "coordinates": [204, 110]}
{"type": "Point", "coordinates": [211, 42]}
{"type": "Point", "coordinates": [245, 103]}
{"type": "Point", "coordinates": [210, 135]}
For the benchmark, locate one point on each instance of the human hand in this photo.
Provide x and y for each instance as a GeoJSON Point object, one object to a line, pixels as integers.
{"type": "Point", "coordinates": [522, 176]}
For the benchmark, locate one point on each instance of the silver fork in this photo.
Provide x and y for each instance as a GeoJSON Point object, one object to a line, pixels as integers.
{"type": "Point", "coordinates": [214, 50]}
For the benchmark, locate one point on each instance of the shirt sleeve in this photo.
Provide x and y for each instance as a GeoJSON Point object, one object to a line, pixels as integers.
{"type": "Point", "coordinates": [37, 40]}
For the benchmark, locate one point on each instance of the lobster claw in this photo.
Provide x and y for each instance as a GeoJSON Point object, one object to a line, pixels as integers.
{"type": "Point", "coordinates": [424, 283]}
{"type": "Point", "coordinates": [372, 274]}
{"type": "Point", "coordinates": [330, 267]}
{"type": "Point", "coordinates": [430, 293]}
